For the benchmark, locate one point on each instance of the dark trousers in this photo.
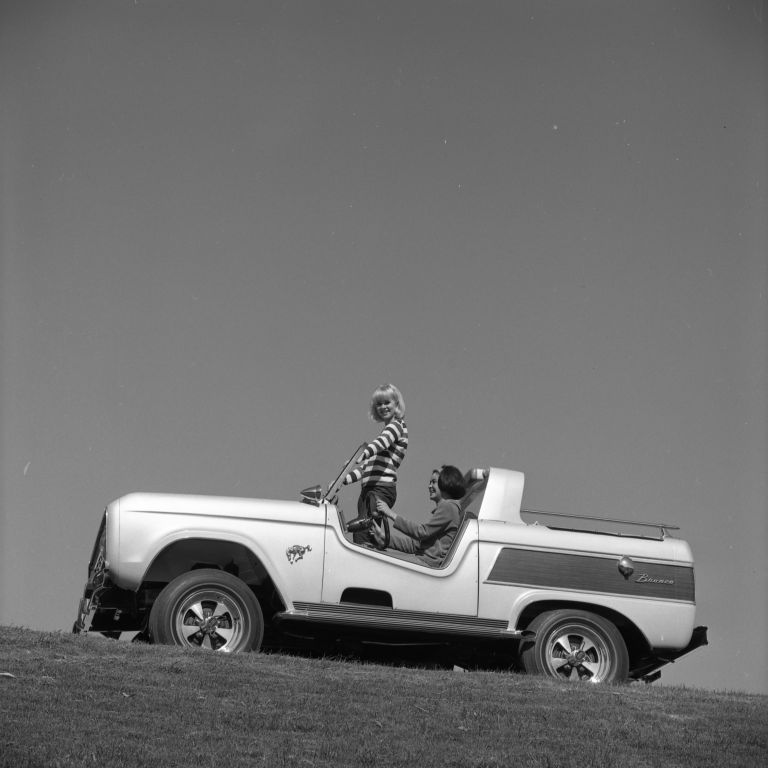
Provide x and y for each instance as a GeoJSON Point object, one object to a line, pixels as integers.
{"type": "Point", "coordinates": [366, 506]}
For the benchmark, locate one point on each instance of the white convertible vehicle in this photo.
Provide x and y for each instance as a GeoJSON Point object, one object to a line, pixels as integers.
{"type": "Point", "coordinates": [570, 597]}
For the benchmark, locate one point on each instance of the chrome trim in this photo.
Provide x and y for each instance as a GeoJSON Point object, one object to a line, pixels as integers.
{"type": "Point", "coordinates": [663, 528]}
{"type": "Point", "coordinates": [369, 616]}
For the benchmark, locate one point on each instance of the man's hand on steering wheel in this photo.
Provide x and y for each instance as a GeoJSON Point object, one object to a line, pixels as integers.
{"type": "Point", "coordinates": [379, 531]}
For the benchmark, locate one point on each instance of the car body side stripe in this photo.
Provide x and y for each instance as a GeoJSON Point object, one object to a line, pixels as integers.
{"type": "Point", "coordinates": [566, 570]}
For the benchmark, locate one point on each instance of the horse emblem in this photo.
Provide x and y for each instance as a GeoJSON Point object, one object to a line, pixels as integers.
{"type": "Point", "coordinates": [296, 552]}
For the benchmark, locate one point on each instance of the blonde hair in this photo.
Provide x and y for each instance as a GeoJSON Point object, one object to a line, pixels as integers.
{"type": "Point", "coordinates": [387, 390]}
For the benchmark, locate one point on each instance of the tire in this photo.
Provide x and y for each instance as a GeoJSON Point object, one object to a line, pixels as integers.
{"type": "Point", "coordinates": [576, 645]}
{"type": "Point", "coordinates": [208, 609]}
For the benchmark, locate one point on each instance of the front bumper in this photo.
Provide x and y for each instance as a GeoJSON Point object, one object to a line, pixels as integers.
{"type": "Point", "coordinates": [98, 583]}
{"type": "Point", "coordinates": [89, 604]}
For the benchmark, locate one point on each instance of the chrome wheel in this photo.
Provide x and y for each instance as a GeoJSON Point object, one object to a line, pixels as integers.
{"type": "Point", "coordinates": [207, 609]}
{"type": "Point", "coordinates": [577, 655]}
{"type": "Point", "coordinates": [210, 619]}
{"type": "Point", "coordinates": [576, 645]}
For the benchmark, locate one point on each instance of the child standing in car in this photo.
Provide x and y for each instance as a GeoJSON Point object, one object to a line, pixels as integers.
{"type": "Point", "coordinates": [381, 458]}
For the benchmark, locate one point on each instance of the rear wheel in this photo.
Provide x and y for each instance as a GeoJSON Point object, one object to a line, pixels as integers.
{"type": "Point", "coordinates": [576, 645]}
{"type": "Point", "coordinates": [208, 609]}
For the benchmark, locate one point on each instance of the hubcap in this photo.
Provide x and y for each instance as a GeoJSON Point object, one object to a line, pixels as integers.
{"type": "Point", "coordinates": [576, 655]}
{"type": "Point", "coordinates": [210, 619]}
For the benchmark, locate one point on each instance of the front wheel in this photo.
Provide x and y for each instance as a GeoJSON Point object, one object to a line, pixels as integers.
{"type": "Point", "coordinates": [576, 645]}
{"type": "Point", "coordinates": [208, 609]}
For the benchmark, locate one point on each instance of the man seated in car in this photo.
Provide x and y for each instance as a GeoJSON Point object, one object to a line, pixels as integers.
{"type": "Point", "coordinates": [428, 542]}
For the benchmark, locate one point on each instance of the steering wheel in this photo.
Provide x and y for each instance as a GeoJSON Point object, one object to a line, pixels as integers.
{"type": "Point", "coordinates": [387, 537]}
{"type": "Point", "coordinates": [366, 523]}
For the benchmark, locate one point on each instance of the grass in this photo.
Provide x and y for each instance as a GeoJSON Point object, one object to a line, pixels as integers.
{"type": "Point", "coordinates": [85, 701]}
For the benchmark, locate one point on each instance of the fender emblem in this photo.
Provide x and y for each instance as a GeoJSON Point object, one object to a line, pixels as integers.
{"type": "Point", "coordinates": [296, 552]}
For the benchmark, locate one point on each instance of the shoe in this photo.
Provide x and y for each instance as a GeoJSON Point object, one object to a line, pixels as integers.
{"type": "Point", "coordinates": [359, 524]}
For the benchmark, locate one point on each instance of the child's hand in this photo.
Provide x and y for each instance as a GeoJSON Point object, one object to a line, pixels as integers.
{"type": "Point", "coordinates": [384, 509]}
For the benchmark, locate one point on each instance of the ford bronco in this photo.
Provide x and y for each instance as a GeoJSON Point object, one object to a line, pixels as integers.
{"type": "Point", "coordinates": [581, 598]}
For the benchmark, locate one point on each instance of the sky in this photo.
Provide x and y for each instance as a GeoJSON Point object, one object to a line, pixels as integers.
{"type": "Point", "coordinates": [223, 225]}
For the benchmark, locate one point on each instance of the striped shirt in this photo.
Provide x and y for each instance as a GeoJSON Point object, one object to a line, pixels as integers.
{"type": "Point", "coordinates": [382, 457]}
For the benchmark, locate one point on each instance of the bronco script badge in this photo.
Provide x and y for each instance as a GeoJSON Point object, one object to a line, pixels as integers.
{"type": "Point", "coordinates": [296, 552]}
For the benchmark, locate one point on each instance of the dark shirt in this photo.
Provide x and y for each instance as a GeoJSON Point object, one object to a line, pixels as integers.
{"type": "Point", "coordinates": [435, 535]}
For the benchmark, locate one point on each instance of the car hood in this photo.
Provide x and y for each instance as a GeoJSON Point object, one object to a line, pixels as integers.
{"type": "Point", "coordinates": [215, 506]}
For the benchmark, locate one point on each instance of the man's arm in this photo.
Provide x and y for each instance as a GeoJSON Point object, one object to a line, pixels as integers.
{"type": "Point", "coordinates": [438, 522]}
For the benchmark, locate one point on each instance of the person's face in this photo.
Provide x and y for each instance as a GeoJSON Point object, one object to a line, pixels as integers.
{"type": "Point", "coordinates": [434, 491]}
{"type": "Point", "coordinates": [385, 408]}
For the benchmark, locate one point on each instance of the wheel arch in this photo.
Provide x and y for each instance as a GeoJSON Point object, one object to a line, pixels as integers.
{"type": "Point", "coordinates": [637, 645]}
{"type": "Point", "coordinates": [188, 554]}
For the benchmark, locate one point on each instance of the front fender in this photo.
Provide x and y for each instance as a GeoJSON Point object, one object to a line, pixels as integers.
{"type": "Point", "coordinates": [148, 535]}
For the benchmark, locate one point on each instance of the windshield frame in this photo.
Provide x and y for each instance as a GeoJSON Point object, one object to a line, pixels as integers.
{"type": "Point", "coordinates": [335, 486]}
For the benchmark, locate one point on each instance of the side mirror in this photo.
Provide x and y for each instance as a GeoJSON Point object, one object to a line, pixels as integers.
{"type": "Point", "coordinates": [312, 495]}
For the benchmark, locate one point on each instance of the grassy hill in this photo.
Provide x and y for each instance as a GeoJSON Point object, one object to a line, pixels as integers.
{"type": "Point", "coordinates": [85, 701]}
